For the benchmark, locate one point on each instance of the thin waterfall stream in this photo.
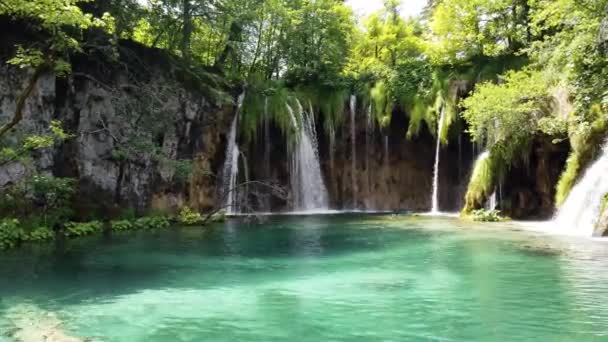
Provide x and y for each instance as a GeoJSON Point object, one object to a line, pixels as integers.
{"type": "Point", "coordinates": [369, 130]}
{"type": "Point", "coordinates": [435, 195]}
{"type": "Point", "coordinates": [231, 164]}
{"type": "Point", "coordinates": [353, 142]}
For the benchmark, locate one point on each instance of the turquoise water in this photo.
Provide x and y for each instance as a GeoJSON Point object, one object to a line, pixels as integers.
{"type": "Point", "coordinates": [344, 278]}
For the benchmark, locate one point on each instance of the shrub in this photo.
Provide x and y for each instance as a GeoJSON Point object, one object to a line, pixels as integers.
{"type": "Point", "coordinates": [75, 229]}
{"type": "Point", "coordinates": [483, 215]}
{"type": "Point", "coordinates": [121, 225]}
{"type": "Point", "coordinates": [10, 233]}
{"type": "Point", "coordinates": [188, 216]}
{"type": "Point", "coordinates": [152, 222]}
{"type": "Point", "coordinates": [49, 197]}
{"type": "Point", "coordinates": [39, 234]}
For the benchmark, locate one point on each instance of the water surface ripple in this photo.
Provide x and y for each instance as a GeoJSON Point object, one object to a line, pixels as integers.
{"type": "Point", "coordinates": [343, 278]}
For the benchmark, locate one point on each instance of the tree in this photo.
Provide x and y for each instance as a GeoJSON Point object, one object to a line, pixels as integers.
{"type": "Point", "coordinates": [505, 117]}
{"type": "Point", "coordinates": [461, 29]}
{"type": "Point", "coordinates": [62, 22]}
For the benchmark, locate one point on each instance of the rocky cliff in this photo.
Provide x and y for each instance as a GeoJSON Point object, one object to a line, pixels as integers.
{"type": "Point", "coordinates": [134, 119]}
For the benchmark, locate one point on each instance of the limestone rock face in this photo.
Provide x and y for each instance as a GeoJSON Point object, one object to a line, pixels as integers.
{"type": "Point", "coordinates": [109, 113]}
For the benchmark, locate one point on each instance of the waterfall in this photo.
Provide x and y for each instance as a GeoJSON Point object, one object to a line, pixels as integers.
{"type": "Point", "coordinates": [266, 139]}
{"type": "Point", "coordinates": [435, 204]}
{"type": "Point", "coordinates": [242, 201]}
{"type": "Point", "coordinates": [386, 156]}
{"type": "Point", "coordinates": [231, 165]}
{"type": "Point", "coordinates": [332, 146]}
{"type": "Point", "coordinates": [353, 110]}
{"type": "Point", "coordinates": [369, 129]}
{"type": "Point", "coordinates": [308, 188]}
{"type": "Point", "coordinates": [580, 212]}
{"type": "Point", "coordinates": [491, 204]}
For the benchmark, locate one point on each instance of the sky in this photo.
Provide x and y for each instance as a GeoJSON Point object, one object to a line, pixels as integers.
{"type": "Point", "coordinates": [408, 7]}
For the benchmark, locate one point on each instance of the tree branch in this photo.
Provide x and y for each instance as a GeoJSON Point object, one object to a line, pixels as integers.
{"type": "Point", "coordinates": [25, 94]}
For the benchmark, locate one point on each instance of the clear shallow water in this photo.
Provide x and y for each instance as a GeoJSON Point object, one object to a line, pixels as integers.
{"type": "Point", "coordinates": [345, 278]}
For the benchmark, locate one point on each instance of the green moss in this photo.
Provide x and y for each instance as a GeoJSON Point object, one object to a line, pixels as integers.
{"type": "Point", "coordinates": [382, 103]}
{"type": "Point", "coordinates": [270, 98]}
{"type": "Point", "coordinates": [482, 183]}
{"type": "Point", "coordinates": [568, 178]}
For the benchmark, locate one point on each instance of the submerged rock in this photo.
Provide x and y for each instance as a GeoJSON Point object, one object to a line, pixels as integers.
{"type": "Point", "coordinates": [29, 323]}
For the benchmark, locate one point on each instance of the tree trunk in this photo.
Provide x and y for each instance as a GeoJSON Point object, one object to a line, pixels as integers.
{"type": "Point", "coordinates": [186, 29]}
{"type": "Point", "coordinates": [25, 94]}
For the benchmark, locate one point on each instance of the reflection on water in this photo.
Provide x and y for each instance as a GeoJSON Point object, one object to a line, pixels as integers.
{"type": "Point", "coordinates": [344, 278]}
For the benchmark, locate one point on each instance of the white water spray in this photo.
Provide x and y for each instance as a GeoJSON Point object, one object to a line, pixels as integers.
{"type": "Point", "coordinates": [435, 198]}
{"type": "Point", "coordinates": [579, 214]}
{"type": "Point", "coordinates": [492, 202]}
{"type": "Point", "coordinates": [308, 187]}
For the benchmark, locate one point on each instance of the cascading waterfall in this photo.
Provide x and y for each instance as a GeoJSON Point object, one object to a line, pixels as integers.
{"type": "Point", "coordinates": [308, 187]}
{"type": "Point", "coordinates": [435, 203]}
{"type": "Point", "coordinates": [580, 212]}
{"type": "Point", "coordinates": [231, 165]}
{"type": "Point", "coordinates": [353, 175]}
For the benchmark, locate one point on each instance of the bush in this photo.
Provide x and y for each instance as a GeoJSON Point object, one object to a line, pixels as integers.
{"type": "Point", "coordinates": [121, 225]}
{"type": "Point", "coordinates": [483, 215]}
{"type": "Point", "coordinates": [189, 217]}
{"type": "Point", "coordinates": [75, 229]}
{"type": "Point", "coordinates": [152, 222]}
{"type": "Point", "coordinates": [10, 233]}
{"type": "Point", "coordinates": [49, 197]}
{"type": "Point", "coordinates": [39, 234]}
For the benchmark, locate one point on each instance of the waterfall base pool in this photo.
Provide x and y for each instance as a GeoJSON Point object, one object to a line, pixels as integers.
{"type": "Point", "coordinates": [342, 278]}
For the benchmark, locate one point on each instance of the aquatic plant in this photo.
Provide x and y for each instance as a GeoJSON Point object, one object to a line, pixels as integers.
{"type": "Point", "coordinates": [483, 215]}
{"type": "Point", "coordinates": [76, 229]}
{"type": "Point", "coordinates": [151, 223]}
{"type": "Point", "coordinates": [187, 216]}
{"type": "Point", "coordinates": [121, 225]}
{"type": "Point", "coordinates": [39, 234]}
